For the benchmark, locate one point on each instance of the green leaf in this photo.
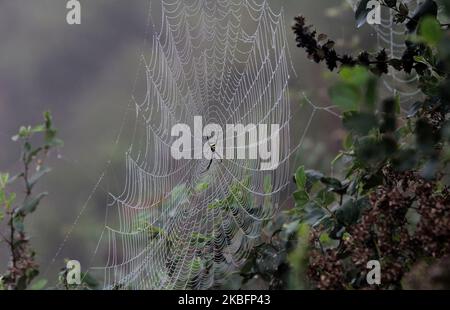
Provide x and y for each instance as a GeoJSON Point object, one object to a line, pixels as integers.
{"type": "Point", "coordinates": [348, 142]}
{"type": "Point", "coordinates": [426, 8]}
{"type": "Point", "coordinates": [39, 285]}
{"type": "Point", "coordinates": [9, 201]}
{"type": "Point", "coordinates": [202, 186]}
{"type": "Point", "coordinates": [24, 131]}
{"type": "Point", "coordinates": [430, 30]}
{"type": "Point", "coordinates": [301, 198]}
{"type": "Point", "coordinates": [33, 179]}
{"type": "Point", "coordinates": [345, 96]}
{"type": "Point", "coordinates": [300, 178]}
{"type": "Point", "coordinates": [334, 185]}
{"type": "Point", "coordinates": [48, 119]}
{"type": "Point", "coordinates": [357, 76]}
{"type": "Point", "coordinates": [314, 214]}
{"type": "Point", "coordinates": [31, 205]}
{"type": "Point", "coordinates": [4, 177]}
{"type": "Point", "coordinates": [312, 177]}
{"type": "Point", "coordinates": [38, 128]}
{"type": "Point", "coordinates": [215, 204]}
{"type": "Point", "coordinates": [199, 238]}
{"type": "Point", "coordinates": [325, 198]}
{"type": "Point", "coordinates": [55, 142]}
{"type": "Point", "coordinates": [337, 158]}
{"type": "Point", "coordinates": [196, 266]}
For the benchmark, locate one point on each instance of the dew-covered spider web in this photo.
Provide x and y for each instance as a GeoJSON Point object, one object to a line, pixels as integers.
{"type": "Point", "coordinates": [179, 224]}
{"type": "Point", "coordinates": [391, 37]}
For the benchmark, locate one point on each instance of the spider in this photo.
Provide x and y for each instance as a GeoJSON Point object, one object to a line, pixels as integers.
{"type": "Point", "coordinates": [212, 146]}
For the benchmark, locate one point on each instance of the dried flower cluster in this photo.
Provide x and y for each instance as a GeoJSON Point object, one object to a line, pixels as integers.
{"type": "Point", "coordinates": [319, 48]}
{"type": "Point", "coordinates": [387, 232]}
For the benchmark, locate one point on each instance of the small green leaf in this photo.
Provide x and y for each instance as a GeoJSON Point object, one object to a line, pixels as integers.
{"type": "Point", "coordinates": [345, 96]}
{"type": "Point", "coordinates": [214, 205]}
{"type": "Point", "coordinates": [55, 142]}
{"type": "Point", "coordinates": [202, 186]}
{"type": "Point", "coordinates": [422, 60]}
{"type": "Point", "coordinates": [33, 179]}
{"type": "Point", "coordinates": [300, 177]}
{"type": "Point", "coordinates": [301, 198]}
{"type": "Point", "coordinates": [334, 185]}
{"type": "Point", "coordinates": [348, 141]}
{"type": "Point", "coordinates": [337, 158]}
{"type": "Point", "coordinates": [313, 176]}
{"type": "Point", "coordinates": [314, 214]}
{"type": "Point", "coordinates": [9, 201]}
{"type": "Point", "coordinates": [38, 128]}
{"type": "Point", "coordinates": [430, 30]}
{"type": "Point", "coordinates": [325, 198]}
{"type": "Point", "coordinates": [358, 75]}
{"type": "Point", "coordinates": [4, 177]}
{"type": "Point", "coordinates": [24, 131]}
{"type": "Point", "coordinates": [31, 205]}
{"type": "Point", "coordinates": [39, 285]}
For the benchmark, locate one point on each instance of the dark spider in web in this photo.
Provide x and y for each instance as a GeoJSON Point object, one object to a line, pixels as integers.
{"type": "Point", "coordinates": [212, 146]}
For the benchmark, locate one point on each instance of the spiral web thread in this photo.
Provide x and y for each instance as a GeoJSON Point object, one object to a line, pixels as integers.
{"type": "Point", "coordinates": [177, 225]}
{"type": "Point", "coordinates": [391, 37]}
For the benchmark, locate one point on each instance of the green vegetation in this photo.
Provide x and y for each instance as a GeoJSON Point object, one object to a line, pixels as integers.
{"type": "Point", "coordinates": [390, 201]}
{"type": "Point", "coordinates": [23, 269]}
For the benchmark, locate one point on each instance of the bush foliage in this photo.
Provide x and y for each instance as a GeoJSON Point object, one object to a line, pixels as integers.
{"type": "Point", "coordinates": [391, 202]}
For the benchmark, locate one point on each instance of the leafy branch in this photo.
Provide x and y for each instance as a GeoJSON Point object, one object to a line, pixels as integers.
{"type": "Point", "coordinates": [23, 268]}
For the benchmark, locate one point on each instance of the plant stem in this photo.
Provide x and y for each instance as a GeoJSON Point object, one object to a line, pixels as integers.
{"type": "Point", "coordinates": [11, 245]}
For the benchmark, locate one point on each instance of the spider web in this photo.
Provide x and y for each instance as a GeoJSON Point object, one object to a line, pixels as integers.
{"type": "Point", "coordinates": [391, 37]}
{"type": "Point", "coordinates": [176, 224]}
